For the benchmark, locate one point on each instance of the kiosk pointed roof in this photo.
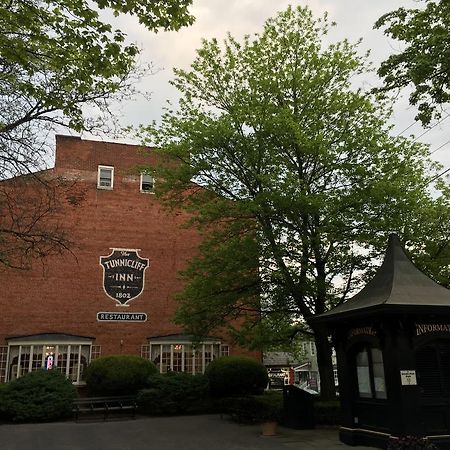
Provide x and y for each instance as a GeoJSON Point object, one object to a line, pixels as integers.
{"type": "Point", "coordinates": [398, 283]}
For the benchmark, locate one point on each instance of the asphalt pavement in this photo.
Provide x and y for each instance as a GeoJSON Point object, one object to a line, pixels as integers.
{"type": "Point", "coordinates": [205, 432]}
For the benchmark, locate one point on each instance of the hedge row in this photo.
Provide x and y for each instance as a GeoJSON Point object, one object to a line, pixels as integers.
{"type": "Point", "coordinates": [118, 375]}
{"type": "Point", "coordinates": [231, 384]}
{"type": "Point", "coordinates": [236, 376]}
{"type": "Point", "coordinates": [48, 395]}
{"type": "Point", "coordinates": [39, 396]}
{"type": "Point", "coordinates": [175, 393]}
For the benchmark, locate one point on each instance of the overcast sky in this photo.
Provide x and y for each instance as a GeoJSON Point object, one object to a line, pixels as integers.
{"type": "Point", "coordinates": [214, 18]}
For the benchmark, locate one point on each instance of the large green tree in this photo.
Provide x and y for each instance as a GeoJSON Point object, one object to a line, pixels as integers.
{"type": "Point", "coordinates": [297, 181]}
{"type": "Point", "coordinates": [61, 65]}
{"type": "Point", "coordinates": [424, 62]}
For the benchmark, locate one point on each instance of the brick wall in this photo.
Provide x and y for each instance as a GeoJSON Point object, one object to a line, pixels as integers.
{"type": "Point", "coordinates": [64, 293]}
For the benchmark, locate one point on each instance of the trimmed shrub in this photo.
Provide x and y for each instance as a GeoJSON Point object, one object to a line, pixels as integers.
{"type": "Point", "coordinates": [175, 393]}
{"type": "Point", "coordinates": [39, 396]}
{"type": "Point", "coordinates": [253, 409]}
{"type": "Point", "coordinates": [118, 375]}
{"type": "Point", "coordinates": [327, 412]}
{"type": "Point", "coordinates": [3, 387]}
{"type": "Point", "coordinates": [236, 376]}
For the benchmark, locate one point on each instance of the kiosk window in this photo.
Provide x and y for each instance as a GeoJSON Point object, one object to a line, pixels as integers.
{"type": "Point", "coordinates": [433, 369]}
{"type": "Point", "coordinates": [370, 373]}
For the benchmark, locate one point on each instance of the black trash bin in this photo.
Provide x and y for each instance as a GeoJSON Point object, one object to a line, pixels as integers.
{"type": "Point", "coordinates": [298, 408]}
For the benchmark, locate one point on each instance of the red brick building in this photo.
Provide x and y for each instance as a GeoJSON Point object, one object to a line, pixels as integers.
{"type": "Point", "coordinates": [114, 293]}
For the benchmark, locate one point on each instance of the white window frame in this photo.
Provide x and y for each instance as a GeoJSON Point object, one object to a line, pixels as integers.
{"type": "Point", "coordinates": [39, 345]}
{"type": "Point", "coordinates": [3, 362]}
{"type": "Point", "coordinates": [111, 169]}
{"type": "Point", "coordinates": [145, 191]}
{"type": "Point", "coordinates": [201, 348]}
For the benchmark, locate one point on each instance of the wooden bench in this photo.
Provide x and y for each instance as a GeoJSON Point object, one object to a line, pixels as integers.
{"type": "Point", "coordinates": [104, 406]}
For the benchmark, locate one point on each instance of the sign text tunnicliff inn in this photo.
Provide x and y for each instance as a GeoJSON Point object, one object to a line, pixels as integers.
{"type": "Point", "coordinates": [123, 274]}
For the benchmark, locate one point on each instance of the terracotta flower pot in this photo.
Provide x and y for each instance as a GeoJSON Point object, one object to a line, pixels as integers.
{"type": "Point", "coordinates": [269, 428]}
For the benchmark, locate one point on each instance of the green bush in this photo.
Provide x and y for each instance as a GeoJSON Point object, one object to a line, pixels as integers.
{"type": "Point", "coordinates": [118, 375]}
{"type": "Point", "coordinates": [236, 376]}
{"type": "Point", "coordinates": [39, 396]}
{"type": "Point", "coordinates": [175, 393]}
{"type": "Point", "coordinates": [253, 409]}
{"type": "Point", "coordinates": [2, 401]}
{"type": "Point", "coordinates": [327, 412]}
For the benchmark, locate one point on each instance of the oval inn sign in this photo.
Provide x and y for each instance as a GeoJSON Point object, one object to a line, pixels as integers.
{"type": "Point", "coordinates": [123, 274]}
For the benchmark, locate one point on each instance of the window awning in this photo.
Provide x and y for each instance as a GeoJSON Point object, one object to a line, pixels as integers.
{"type": "Point", "coordinates": [49, 338]}
{"type": "Point", "coordinates": [303, 367]}
{"type": "Point", "coordinates": [181, 339]}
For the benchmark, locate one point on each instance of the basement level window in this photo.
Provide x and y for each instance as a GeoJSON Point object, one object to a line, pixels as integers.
{"type": "Point", "coordinates": [105, 178]}
{"type": "Point", "coordinates": [147, 183]}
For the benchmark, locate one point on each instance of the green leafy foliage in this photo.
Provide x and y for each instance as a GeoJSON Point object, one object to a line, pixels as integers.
{"type": "Point", "coordinates": [302, 180]}
{"type": "Point", "coordinates": [424, 60]}
{"type": "Point", "coordinates": [61, 65]}
{"type": "Point", "coordinates": [58, 57]}
{"type": "Point", "coordinates": [253, 409]}
{"type": "Point", "coordinates": [175, 393]}
{"type": "Point", "coordinates": [2, 402]}
{"type": "Point", "coordinates": [118, 375]}
{"type": "Point", "coordinates": [327, 412]}
{"type": "Point", "coordinates": [37, 397]}
{"type": "Point", "coordinates": [236, 376]}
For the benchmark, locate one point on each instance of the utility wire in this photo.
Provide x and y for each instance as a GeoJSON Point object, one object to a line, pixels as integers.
{"type": "Point", "coordinates": [442, 173]}
{"type": "Point", "coordinates": [437, 176]}
{"type": "Point", "coordinates": [443, 145]}
{"type": "Point", "coordinates": [429, 129]}
{"type": "Point", "coordinates": [406, 129]}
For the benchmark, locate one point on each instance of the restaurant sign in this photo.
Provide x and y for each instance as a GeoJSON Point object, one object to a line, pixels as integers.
{"type": "Point", "coordinates": [121, 317]}
{"type": "Point", "coordinates": [123, 275]}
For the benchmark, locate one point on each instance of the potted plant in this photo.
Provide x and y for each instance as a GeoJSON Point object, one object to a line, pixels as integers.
{"type": "Point", "coordinates": [267, 414]}
{"type": "Point", "coordinates": [258, 409]}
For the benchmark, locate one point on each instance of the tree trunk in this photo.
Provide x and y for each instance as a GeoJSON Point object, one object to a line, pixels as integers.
{"type": "Point", "coordinates": [325, 363]}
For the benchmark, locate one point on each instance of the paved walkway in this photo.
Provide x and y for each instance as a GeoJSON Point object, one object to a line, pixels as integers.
{"type": "Point", "coordinates": [208, 432]}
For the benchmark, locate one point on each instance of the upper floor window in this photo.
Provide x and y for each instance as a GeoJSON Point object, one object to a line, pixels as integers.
{"type": "Point", "coordinates": [105, 179]}
{"type": "Point", "coordinates": [147, 183]}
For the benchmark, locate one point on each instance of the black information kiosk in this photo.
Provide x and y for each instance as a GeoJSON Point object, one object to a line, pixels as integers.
{"type": "Point", "coordinates": [392, 342]}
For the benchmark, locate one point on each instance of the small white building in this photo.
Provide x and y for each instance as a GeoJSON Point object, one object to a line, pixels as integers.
{"type": "Point", "coordinates": [302, 369]}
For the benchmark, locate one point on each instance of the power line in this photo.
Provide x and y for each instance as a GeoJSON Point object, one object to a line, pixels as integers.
{"type": "Point", "coordinates": [443, 145]}
{"type": "Point", "coordinates": [429, 129]}
{"type": "Point", "coordinates": [437, 176]}
{"type": "Point", "coordinates": [442, 173]}
{"type": "Point", "coordinates": [407, 128]}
